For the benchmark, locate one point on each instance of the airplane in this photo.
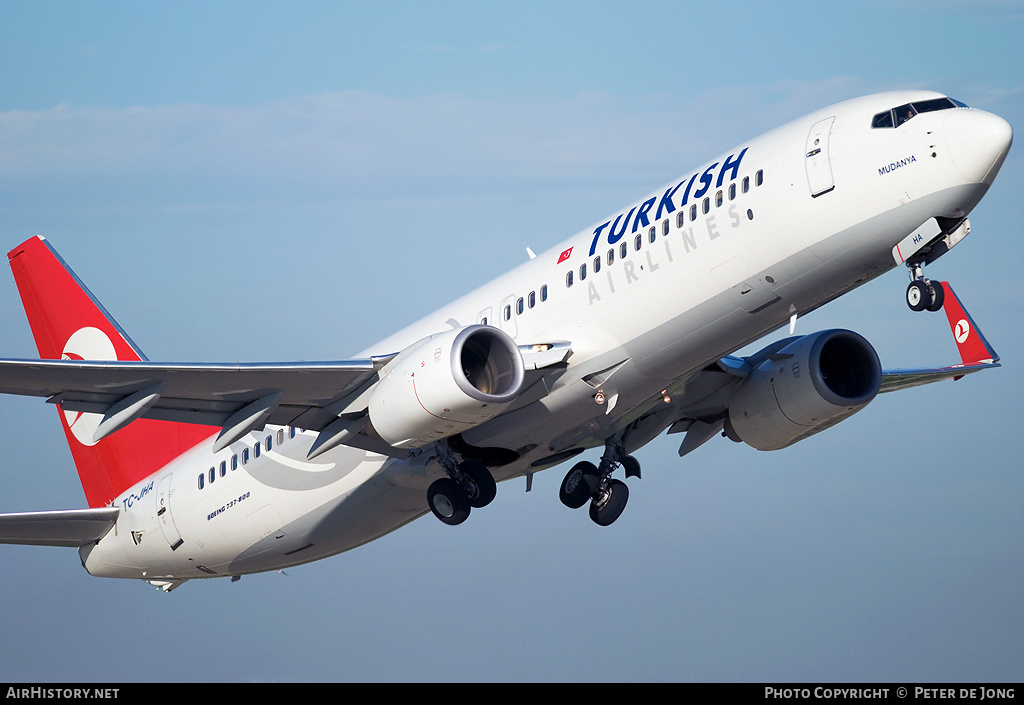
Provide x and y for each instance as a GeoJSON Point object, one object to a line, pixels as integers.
{"type": "Point", "coordinates": [622, 332]}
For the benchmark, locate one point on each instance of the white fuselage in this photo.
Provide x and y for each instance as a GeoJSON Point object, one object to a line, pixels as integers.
{"type": "Point", "coordinates": [695, 270]}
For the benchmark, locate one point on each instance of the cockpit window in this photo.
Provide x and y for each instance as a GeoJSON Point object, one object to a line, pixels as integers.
{"type": "Point", "coordinates": [898, 116]}
{"type": "Point", "coordinates": [927, 106]}
{"type": "Point", "coordinates": [882, 119]}
{"type": "Point", "coordinates": [903, 113]}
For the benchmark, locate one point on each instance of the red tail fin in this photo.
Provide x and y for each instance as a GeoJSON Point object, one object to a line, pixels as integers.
{"type": "Point", "coordinates": [69, 323]}
{"type": "Point", "coordinates": [969, 340]}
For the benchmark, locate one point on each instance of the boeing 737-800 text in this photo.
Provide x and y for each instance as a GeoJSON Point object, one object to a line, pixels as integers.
{"type": "Point", "coordinates": [620, 333]}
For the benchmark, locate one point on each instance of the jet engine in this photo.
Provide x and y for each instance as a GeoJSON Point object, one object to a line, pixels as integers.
{"type": "Point", "coordinates": [445, 384]}
{"type": "Point", "coordinates": [808, 385]}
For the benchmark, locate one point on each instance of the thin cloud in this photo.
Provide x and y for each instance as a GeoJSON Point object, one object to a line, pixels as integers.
{"type": "Point", "coordinates": [353, 142]}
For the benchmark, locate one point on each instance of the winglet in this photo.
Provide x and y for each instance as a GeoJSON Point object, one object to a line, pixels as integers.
{"type": "Point", "coordinates": [970, 341]}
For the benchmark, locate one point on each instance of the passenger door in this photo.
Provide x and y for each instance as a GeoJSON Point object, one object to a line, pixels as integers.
{"type": "Point", "coordinates": [816, 158]}
{"type": "Point", "coordinates": [163, 513]}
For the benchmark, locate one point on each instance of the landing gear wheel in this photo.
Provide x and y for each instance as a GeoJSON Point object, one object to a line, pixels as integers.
{"type": "Point", "coordinates": [579, 484]}
{"type": "Point", "coordinates": [448, 501]}
{"type": "Point", "coordinates": [918, 295]}
{"type": "Point", "coordinates": [479, 487]}
{"type": "Point", "coordinates": [607, 507]}
{"type": "Point", "coordinates": [937, 296]}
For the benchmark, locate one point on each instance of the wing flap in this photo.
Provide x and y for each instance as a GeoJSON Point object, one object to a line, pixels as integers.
{"type": "Point", "coordinates": [74, 527]}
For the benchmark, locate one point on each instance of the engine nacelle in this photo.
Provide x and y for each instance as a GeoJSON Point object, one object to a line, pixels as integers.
{"type": "Point", "coordinates": [445, 384]}
{"type": "Point", "coordinates": [807, 386]}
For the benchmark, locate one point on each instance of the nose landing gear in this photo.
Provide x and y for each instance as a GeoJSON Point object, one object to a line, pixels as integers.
{"type": "Point", "coordinates": [934, 238]}
{"type": "Point", "coordinates": [923, 293]}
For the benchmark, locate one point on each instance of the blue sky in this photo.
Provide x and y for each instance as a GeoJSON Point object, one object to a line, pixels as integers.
{"type": "Point", "coordinates": [255, 181]}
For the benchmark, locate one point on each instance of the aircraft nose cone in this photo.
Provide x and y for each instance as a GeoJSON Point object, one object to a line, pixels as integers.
{"type": "Point", "coordinates": [977, 143]}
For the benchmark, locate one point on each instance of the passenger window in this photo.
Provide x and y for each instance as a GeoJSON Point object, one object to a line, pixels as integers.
{"type": "Point", "coordinates": [597, 264]}
{"type": "Point", "coordinates": [583, 271]}
{"type": "Point", "coordinates": [532, 300]}
{"type": "Point", "coordinates": [234, 462]}
{"type": "Point", "coordinates": [213, 475]}
{"type": "Point", "coordinates": [611, 256]}
{"type": "Point", "coordinates": [707, 205]}
{"type": "Point", "coordinates": [719, 199]}
{"type": "Point", "coordinates": [280, 431]}
{"type": "Point", "coordinates": [568, 279]}
{"type": "Point", "coordinates": [256, 450]}
{"type": "Point", "coordinates": [693, 212]}
{"type": "Point", "coordinates": [622, 251]}
{"type": "Point", "coordinates": [291, 432]}
{"type": "Point", "coordinates": [732, 192]}
{"type": "Point", "coordinates": [508, 312]}
{"type": "Point", "coordinates": [245, 456]}
{"type": "Point", "coordinates": [638, 241]}
{"type": "Point", "coordinates": [651, 234]}
{"type": "Point", "coordinates": [664, 228]}
{"type": "Point", "coordinates": [746, 184]}
{"type": "Point", "coordinates": [223, 468]}
{"type": "Point", "coordinates": [759, 177]}
{"type": "Point", "coordinates": [519, 306]}
{"type": "Point", "coordinates": [270, 443]}
{"type": "Point", "coordinates": [544, 293]}
{"type": "Point", "coordinates": [679, 219]}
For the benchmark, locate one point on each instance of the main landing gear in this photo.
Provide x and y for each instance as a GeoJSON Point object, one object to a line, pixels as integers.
{"type": "Point", "coordinates": [469, 484]}
{"type": "Point", "coordinates": [923, 293]}
{"type": "Point", "coordinates": [585, 482]}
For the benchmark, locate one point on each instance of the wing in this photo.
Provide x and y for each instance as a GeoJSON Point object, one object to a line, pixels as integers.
{"type": "Point", "coordinates": [702, 402]}
{"type": "Point", "coordinates": [894, 380]}
{"type": "Point", "coordinates": [190, 393]}
{"type": "Point", "coordinates": [238, 397]}
{"type": "Point", "coordinates": [75, 527]}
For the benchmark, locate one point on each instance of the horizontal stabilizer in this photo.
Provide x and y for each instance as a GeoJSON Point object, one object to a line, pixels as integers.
{"type": "Point", "coordinates": [73, 527]}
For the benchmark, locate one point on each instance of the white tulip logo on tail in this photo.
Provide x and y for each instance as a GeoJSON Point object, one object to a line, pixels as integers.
{"type": "Point", "coordinates": [963, 329]}
{"type": "Point", "coordinates": [86, 344]}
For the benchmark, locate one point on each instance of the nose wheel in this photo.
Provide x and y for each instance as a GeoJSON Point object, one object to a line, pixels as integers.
{"type": "Point", "coordinates": [924, 294]}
